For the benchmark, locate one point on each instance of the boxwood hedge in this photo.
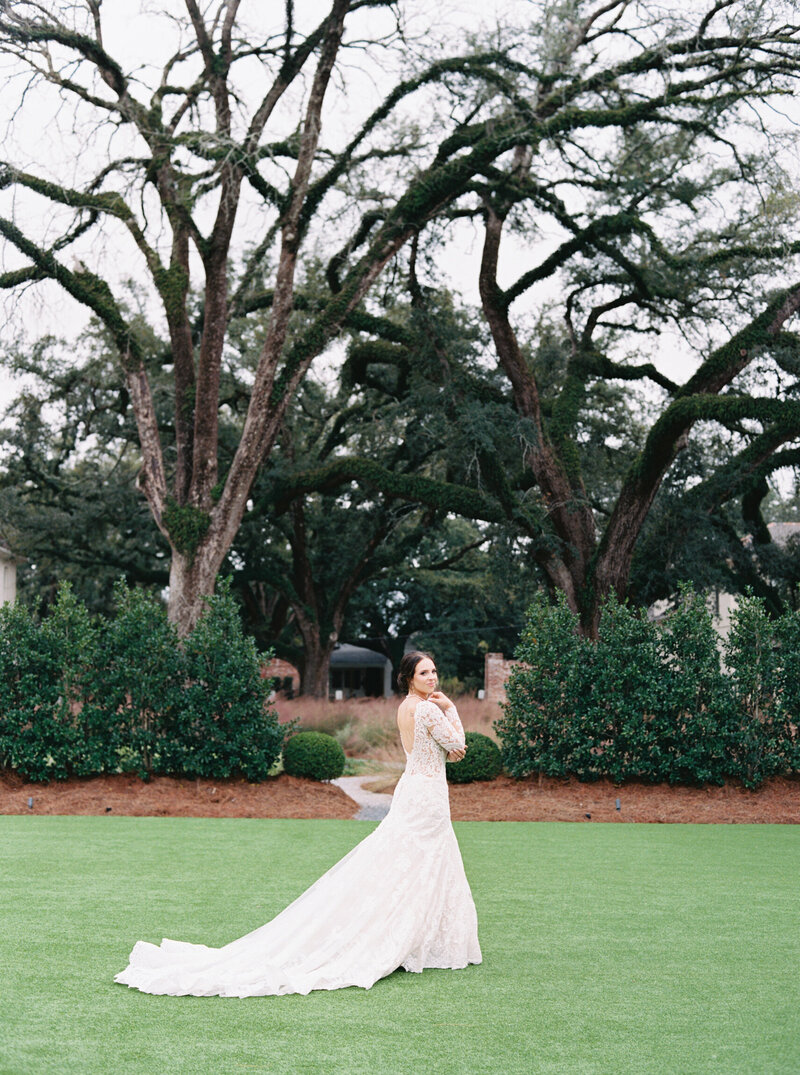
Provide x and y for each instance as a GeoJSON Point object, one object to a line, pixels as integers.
{"type": "Point", "coordinates": [482, 761]}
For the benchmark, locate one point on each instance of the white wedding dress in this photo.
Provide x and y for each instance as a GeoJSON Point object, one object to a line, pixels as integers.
{"type": "Point", "coordinates": [400, 898]}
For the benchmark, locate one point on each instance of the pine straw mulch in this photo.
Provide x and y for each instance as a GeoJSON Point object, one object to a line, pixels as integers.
{"type": "Point", "coordinates": [504, 799]}
{"type": "Point", "coordinates": [168, 796]}
{"type": "Point", "coordinates": [777, 801]}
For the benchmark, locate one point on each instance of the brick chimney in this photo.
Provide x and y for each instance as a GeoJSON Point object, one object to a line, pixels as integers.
{"type": "Point", "coordinates": [496, 670]}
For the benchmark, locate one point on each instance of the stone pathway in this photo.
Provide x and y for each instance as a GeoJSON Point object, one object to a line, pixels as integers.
{"type": "Point", "coordinates": [374, 805]}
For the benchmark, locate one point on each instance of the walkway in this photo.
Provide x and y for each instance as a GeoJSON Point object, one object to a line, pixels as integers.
{"type": "Point", "coordinates": [374, 805]}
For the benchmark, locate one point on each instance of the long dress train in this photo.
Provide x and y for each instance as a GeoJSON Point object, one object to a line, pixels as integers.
{"type": "Point", "coordinates": [400, 898]}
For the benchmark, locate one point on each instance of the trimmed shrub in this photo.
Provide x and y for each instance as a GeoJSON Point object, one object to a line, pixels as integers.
{"type": "Point", "coordinates": [140, 677]}
{"type": "Point", "coordinates": [482, 761]}
{"type": "Point", "coordinates": [315, 755]}
{"type": "Point", "coordinates": [82, 697]}
{"type": "Point", "coordinates": [49, 726]}
{"type": "Point", "coordinates": [626, 697]}
{"type": "Point", "coordinates": [787, 713]}
{"type": "Point", "coordinates": [223, 726]}
{"type": "Point", "coordinates": [694, 729]}
{"type": "Point", "coordinates": [754, 666]}
{"type": "Point", "coordinates": [541, 729]}
{"type": "Point", "coordinates": [650, 701]}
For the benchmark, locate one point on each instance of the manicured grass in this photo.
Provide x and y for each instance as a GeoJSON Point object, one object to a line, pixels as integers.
{"type": "Point", "coordinates": [608, 949]}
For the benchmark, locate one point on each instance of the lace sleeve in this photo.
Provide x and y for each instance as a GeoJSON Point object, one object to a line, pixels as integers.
{"type": "Point", "coordinates": [452, 715]}
{"type": "Point", "coordinates": [445, 728]}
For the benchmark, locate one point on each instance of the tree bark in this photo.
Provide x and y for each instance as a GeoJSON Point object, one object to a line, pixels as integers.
{"type": "Point", "coordinates": [566, 502]}
{"type": "Point", "coordinates": [666, 439]}
{"type": "Point", "coordinates": [191, 580]}
{"type": "Point", "coordinates": [315, 676]}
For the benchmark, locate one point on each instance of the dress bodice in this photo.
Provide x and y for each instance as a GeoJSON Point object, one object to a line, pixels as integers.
{"type": "Point", "coordinates": [435, 733]}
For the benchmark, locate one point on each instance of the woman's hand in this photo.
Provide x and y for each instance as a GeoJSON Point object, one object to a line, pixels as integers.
{"type": "Point", "coordinates": [456, 755]}
{"type": "Point", "coordinates": [440, 699]}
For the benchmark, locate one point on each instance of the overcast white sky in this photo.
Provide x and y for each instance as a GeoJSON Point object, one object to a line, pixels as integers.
{"type": "Point", "coordinates": [138, 34]}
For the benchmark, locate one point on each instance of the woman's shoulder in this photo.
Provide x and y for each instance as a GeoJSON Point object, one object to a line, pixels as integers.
{"type": "Point", "coordinates": [409, 707]}
{"type": "Point", "coordinates": [405, 709]}
{"type": "Point", "coordinates": [425, 708]}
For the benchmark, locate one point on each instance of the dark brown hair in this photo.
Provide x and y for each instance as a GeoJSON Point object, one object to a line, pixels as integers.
{"type": "Point", "coordinates": [408, 666]}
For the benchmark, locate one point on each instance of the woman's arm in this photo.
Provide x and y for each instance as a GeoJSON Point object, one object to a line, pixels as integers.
{"type": "Point", "coordinates": [449, 710]}
{"type": "Point", "coordinates": [450, 714]}
{"type": "Point", "coordinates": [447, 732]}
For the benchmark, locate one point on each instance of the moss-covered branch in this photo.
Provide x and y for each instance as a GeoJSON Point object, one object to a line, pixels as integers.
{"type": "Point", "coordinates": [602, 366]}
{"type": "Point", "coordinates": [110, 203]}
{"type": "Point", "coordinates": [15, 277]}
{"type": "Point", "coordinates": [751, 465]}
{"type": "Point", "coordinates": [30, 32]}
{"type": "Point", "coordinates": [614, 225]}
{"type": "Point", "coordinates": [90, 290]}
{"type": "Point", "coordinates": [476, 66]}
{"type": "Point", "coordinates": [441, 495]}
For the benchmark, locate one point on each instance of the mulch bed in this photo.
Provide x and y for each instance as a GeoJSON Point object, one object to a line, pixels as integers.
{"type": "Point", "coordinates": [777, 801]}
{"type": "Point", "coordinates": [167, 796]}
{"type": "Point", "coordinates": [504, 799]}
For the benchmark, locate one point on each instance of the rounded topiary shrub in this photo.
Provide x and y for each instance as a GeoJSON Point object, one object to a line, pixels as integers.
{"type": "Point", "coordinates": [313, 754]}
{"type": "Point", "coordinates": [482, 761]}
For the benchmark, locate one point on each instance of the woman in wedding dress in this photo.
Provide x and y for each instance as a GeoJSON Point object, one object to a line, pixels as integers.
{"type": "Point", "coordinates": [400, 898]}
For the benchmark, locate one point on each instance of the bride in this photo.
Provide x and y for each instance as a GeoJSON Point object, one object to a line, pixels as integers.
{"type": "Point", "coordinates": [400, 898]}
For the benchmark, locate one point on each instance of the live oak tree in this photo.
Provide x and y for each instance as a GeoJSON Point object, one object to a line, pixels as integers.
{"type": "Point", "coordinates": [195, 142]}
{"type": "Point", "coordinates": [595, 124]}
{"type": "Point", "coordinates": [646, 199]}
{"type": "Point", "coordinates": [413, 416]}
{"type": "Point", "coordinates": [68, 501]}
{"type": "Point", "coordinates": [301, 556]}
{"type": "Point", "coordinates": [315, 540]}
{"type": "Point", "coordinates": [302, 563]}
{"type": "Point", "coordinates": [644, 244]}
{"type": "Point", "coordinates": [464, 593]}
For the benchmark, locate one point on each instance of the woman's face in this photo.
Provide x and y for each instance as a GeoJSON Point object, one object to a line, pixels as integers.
{"type": "Point", "coordinates": [424, 681]}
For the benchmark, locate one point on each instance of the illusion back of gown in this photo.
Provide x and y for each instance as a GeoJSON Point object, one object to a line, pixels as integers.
{"type": "Point", "coordinates": [400, 898]}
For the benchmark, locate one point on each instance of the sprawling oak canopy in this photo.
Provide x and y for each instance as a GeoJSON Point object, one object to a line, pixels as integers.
{"type": "Point", "coordinates": [615, 122]}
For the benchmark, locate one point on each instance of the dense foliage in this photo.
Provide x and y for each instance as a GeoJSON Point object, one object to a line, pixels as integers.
{"type": "Point", "coordinates": [120, 693]}
{"type": "Point", "coordinates": [191, 178]}
{"type": "Point", "coordinates": [482, 761]}
{"type": "Point", "coordinates": [651, 701]}
{"type": "Point", "coordinates": [308, 567]}
{"type": "Point", "coordinates": [315, 755]}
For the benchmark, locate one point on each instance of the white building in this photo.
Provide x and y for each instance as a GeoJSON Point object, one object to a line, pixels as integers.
{"type": "Point", "coordinates": [721, 604]}
{"type": "Point", "coordinates": [8, 575]}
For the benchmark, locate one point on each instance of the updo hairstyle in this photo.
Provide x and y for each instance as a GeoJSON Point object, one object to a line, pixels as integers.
{"type": "Point", "coordinates": [407, 668]}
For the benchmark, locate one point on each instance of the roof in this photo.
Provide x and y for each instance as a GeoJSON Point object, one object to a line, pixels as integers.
{"type": "Point", "coordinates": [347, 656]}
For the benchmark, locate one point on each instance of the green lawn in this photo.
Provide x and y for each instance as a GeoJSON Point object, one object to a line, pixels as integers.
{"type": "Point", "coordinates": [608, 949]}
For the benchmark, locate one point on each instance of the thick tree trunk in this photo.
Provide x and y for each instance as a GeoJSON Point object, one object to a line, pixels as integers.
{"type": "Point", "coordinates": [315, 677]}
{"type": "Point", "coordinates": [566, 502]}
{"type": "Point", "coordinates": [191, 579]}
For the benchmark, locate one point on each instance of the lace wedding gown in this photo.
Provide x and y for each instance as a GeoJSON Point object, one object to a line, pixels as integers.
{"type": "Point", "coordinates": [400, 898]}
